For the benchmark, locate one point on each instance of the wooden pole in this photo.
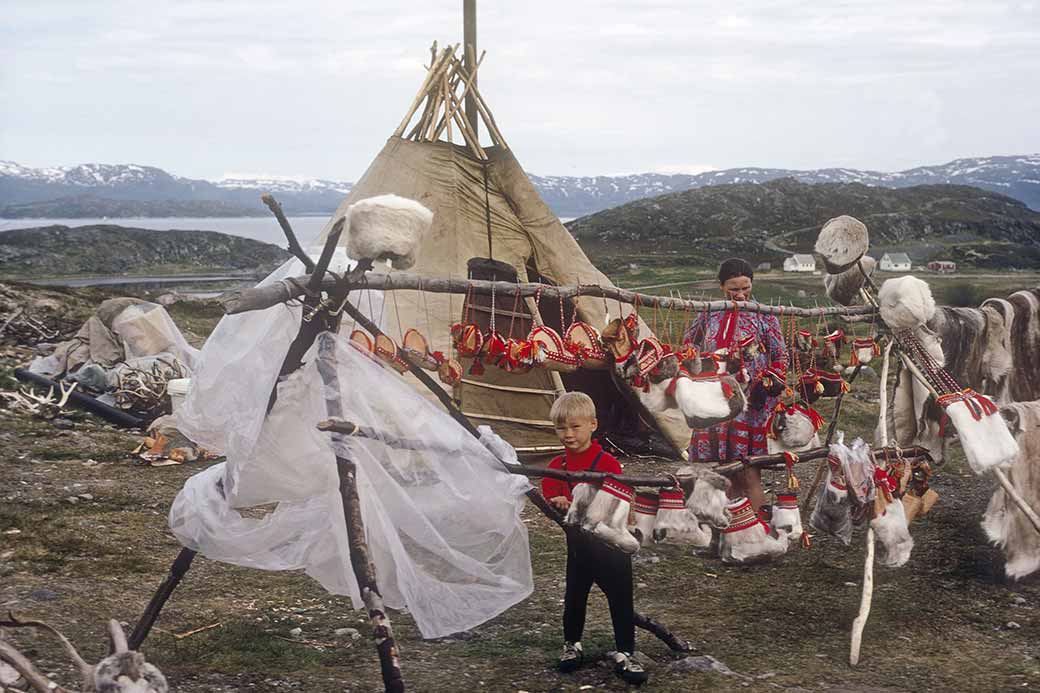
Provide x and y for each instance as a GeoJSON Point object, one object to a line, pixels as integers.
{"type": "Point", "coordinates": [360, 556]}
{"type": "Point", "coordinates": [262, 297]}
{"type": "Point", "coordinates": [469, 54]}
{"type": "Point", "coordinates": [864, 601]}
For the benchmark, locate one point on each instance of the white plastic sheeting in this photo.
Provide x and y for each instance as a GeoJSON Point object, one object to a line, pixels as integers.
{"type": "Point", "coordinates": [442, 523]}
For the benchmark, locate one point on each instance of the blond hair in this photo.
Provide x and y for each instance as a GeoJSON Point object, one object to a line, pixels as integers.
{"type": "Point", "coordinates": [571, 405]}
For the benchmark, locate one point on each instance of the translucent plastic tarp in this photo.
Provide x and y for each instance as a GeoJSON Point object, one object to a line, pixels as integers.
{"type": "Point", "coordinates": [442, 522]}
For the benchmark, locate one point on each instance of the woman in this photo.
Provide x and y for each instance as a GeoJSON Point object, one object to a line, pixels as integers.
{"type": "Point", "coordinates": [746, 434]}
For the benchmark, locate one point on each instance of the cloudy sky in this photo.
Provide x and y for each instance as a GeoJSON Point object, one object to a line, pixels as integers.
{"type": "Point", "coordinates": [223, 87]}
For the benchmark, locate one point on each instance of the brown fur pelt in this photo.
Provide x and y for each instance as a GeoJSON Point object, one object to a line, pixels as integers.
{"type": "Point", "coordinates": [1004, 524]}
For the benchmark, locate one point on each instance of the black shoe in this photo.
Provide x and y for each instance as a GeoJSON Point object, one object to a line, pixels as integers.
{"type": "Point", "coordinates": [571, 658]}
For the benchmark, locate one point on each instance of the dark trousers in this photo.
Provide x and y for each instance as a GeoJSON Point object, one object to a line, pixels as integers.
{"type": "Point", "coordinates": [590, 561]}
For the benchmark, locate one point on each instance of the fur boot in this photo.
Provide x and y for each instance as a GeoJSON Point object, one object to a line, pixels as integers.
{"type": "Point", "coordinates": [844, 288]}
{"type": "Point", "coordinates": [676, 524]}
{"type": "Point", "coordinates": [787, 519]}
{"type": "Point", "coordinates": [644, 512]}
{"type": "Point", "coordinates": [747, 539]}
{"type": "Point", "coordinates": [892, 531]}
{"type": "Point", "coordinates": [607, 515]}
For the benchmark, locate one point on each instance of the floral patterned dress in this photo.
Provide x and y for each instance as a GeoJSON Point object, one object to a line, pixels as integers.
{"type": "Point", "coordinates": [746, 434]}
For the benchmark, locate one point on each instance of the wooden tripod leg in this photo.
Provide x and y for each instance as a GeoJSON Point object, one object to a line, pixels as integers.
{"type": "Point", "coordinates": [180, 567]}
{"type": "Point", "coordinates": [360, 557]}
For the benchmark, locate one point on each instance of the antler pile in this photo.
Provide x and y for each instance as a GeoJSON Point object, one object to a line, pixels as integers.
{"type": "Point", "coordinates": [45, 406]}
{"type": "Point", "coordinates": [144, 391]}
{"type": "Point", "coordinates": [123, 670]}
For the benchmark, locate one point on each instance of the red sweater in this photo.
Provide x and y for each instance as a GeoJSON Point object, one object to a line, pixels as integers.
{"type": "Point", "coordinates": [577, 462]}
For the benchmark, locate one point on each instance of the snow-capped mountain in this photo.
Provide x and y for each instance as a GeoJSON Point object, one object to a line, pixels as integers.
{"type": "Point", "coordinates": [27, 192]}
{"type": "Point", "coordinates": [1014, 176]}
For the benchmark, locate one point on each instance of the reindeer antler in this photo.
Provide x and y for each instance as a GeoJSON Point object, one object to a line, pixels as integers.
{"type": "Point", "coordinates": [23, 666]}
{"type": "Point", "coordinates": [85, 669]}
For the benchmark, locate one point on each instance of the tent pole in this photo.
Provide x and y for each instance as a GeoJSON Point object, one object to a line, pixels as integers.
{"type": "Point", "coordinates": [178, 570]}
{"type": "Point", "coordinates": [469, 54]}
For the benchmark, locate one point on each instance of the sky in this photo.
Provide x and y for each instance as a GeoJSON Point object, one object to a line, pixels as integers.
{"type": "Point", "coordinates": [313, 89]}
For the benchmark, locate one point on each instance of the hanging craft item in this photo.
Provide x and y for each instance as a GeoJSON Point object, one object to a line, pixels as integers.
{"type": "Point", "coordinates": [832, 344]}
{"type": "Point", "coordinates": [653, 362]}
{"type": "Point", "coordinates": [804, 342]}
{"type": "Point", "coordinates": [771, 382]}
{"type": "Point", "coordinates": [386, 349]}
{"type": "Point", "coordinates": [833, 383]}
{"type": "Point", "coordinates": [621, 337]}
{"type": "Point", "coordinates": [361, 341]}
{"type": "Point", "coordinates": [583, 339]}
{"type": "Point", "coordinates": [810, 388]}
{"type": "Point", "coordinates": [676, 524]}
{"type": "Point", "coordinates": [864, 349]}
{"type": "Point", "coordinates": [450, 372]}
{"type": "Point", "coordinates": [467, 339]}
{"type": "Point", "coordinates": [644, 510]}
{"type": "Point", "coordinates": [550, 352]}
{"type": "Point", "coordinates": [416, 350]}
{"type": "Point", "coordinates": [787, 519]}
{"type": "Point", "coordinates": [747, 539]}
{"type": "Point", "coordinates": [792, 428]}
{"type": "Point", "coordinates": [750, 346]}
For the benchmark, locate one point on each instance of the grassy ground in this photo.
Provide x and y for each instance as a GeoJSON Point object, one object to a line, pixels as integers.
{"type": "Point", "coordinates": [83, 538]}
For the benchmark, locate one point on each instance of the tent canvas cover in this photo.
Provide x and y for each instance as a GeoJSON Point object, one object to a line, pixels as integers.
{"type": "Point", "coordinates": [485, 206]}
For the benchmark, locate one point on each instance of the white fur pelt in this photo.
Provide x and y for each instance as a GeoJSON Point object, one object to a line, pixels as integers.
{"type": "Point", "coordinates": [644, 515]}
{"type": "Point", "coordinates": [787, 518]}
{"type": "Point", "coordinates": [892, 531]}
{"type": "Point", "coordinates": [603, 511]}
{"type": "Point", "coordinates": [677, 524]}
{"type": "Point", "coordinates": [843, 288]}
{"type": "Point", "coordinates": [387, 227]}
{"type": "Point", "coordinates": [1004, 524]}
{"type": "Point", "coordinates": [905, 302]}
{"type": "Point", "coordinates": [841, 242]}
{"type": "Point", "coordinates": [748, 540]}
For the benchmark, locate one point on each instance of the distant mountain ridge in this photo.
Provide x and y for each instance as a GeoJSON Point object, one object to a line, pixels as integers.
{"type": "Point", "coordinates": [38, 192]}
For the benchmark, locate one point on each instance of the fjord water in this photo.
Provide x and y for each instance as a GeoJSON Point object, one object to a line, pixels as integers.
{"type": "Point", "coordinates": [264, 229]}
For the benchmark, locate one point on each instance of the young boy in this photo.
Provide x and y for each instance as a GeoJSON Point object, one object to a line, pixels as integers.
{"type": "Point", "coordinates": [588, 559]}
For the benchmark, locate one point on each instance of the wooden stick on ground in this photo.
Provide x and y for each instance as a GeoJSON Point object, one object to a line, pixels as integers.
{"type": "Point", "coordinates": [867, 590]}
{"type": "Point", "coordinates": [865, 598]}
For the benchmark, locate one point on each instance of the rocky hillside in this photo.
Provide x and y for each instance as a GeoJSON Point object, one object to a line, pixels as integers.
{"type": "Point", "coordinates": [60, 250]}
{"type": "Point", "coordinates": [764, 222]}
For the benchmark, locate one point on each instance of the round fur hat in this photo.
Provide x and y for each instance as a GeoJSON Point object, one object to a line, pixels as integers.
{"type": "Point", "coordinates": [387, 227]}
{"type": "Point", "coordinates": [905, 302]}
{"type": "Point", "coordinates": [841, 242]}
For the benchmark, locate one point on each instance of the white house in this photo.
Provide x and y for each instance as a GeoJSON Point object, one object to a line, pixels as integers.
{"type": "Point", "coordinates": [800, 263]}
{"type": "Point", "coordinates": [895, 262]}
